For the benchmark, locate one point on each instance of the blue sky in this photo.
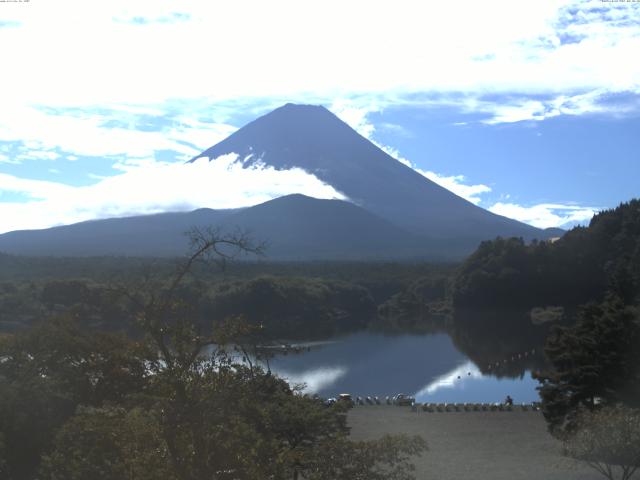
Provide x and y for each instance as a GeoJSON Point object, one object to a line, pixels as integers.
{"type": "Point", "coordinates": [529, 109]}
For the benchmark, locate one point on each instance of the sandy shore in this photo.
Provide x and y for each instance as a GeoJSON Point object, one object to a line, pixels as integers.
{"type": "Point", "coordinates": [474, 445]}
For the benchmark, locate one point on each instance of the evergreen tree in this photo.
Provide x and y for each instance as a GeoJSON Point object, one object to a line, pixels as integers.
{"type": "Point", "coordinates": [595, 362]}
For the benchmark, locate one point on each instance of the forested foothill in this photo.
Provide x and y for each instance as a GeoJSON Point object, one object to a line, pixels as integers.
{"type": "Point", "coordinates": [295, 300]}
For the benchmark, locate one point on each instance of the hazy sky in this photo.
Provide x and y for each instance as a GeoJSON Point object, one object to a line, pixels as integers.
{"type": "Point", "coordinates": [528, 108]}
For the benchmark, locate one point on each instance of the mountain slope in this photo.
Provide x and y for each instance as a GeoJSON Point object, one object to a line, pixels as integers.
{"type": "Point", "coordinates": [294, 227]}
{"type": "Point", "coordinates": [312, 138]}
{"type": "Point", "coordinates": [145, 235]}
{"type": "Point", "coordinates": [297, 227]}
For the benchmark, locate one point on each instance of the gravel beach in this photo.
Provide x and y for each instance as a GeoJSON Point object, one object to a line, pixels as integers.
{"type": "Point", "coordinates": [474, 445]}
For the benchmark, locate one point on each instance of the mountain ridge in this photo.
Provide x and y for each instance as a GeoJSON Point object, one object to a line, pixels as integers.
{"type": "Point", "coordinates": [314, 139]}
{"type": "Point", "coordinates": [295, 227]}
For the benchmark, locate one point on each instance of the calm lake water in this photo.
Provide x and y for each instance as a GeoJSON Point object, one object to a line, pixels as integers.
{"type": "Point", "coordinates": [426, 366]}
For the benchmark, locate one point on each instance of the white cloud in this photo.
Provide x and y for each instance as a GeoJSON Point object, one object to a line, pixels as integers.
{"type": "Point", "coordinates": [38, 155]}
{"type": "Point", "coordinates": [355, 115]}
{"type": "Point", "coordinates": [284, 49]}
{"type": "Point", "coordinates": [6, 159]}
{"type": "Point", "coordinates": [153, 187]}
{"type": "Point", "coordinates": [85, 134]}
{"type": "Point", "coordinates": [545, 215]}
{"type": "Point", "coordinates": [457, 185]}
{"type": "Point", "coordinates": [523, 109]}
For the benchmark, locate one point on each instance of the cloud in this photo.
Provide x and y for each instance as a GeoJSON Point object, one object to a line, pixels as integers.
{"type": "Point", "coordinates": [496, 46]}
{"type": "Point", "coordinates": [146, 20]}
{"type": "Point", "coordinates": [6, 159]}
{"type": "Point", "coordinates": [152, 187]}
{"type": "Point", "coordinates": [545, 215]}
{"type": "Point", "coordinates": [356, 116]}
{"type": "Point", "coordinates": [457, 185]}
{"type": "Point", "coordinates": [597, 101]}
{"type": "Point", "coordinates": [87, 133]}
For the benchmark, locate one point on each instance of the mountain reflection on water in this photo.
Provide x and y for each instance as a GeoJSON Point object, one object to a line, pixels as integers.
{"type": "Point", "coordinates": [427, 366]}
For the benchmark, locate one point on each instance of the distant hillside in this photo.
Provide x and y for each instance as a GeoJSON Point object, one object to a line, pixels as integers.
{"type": "Point", "coordinates": [294, 227]}
{"type": "Point", "coordinates": [145, 235]}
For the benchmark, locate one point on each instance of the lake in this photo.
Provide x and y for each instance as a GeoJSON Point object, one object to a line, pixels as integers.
{"type": "Point", "coordinates": [426, 366]}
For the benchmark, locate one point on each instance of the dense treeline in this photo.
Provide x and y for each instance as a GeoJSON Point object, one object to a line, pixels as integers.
{"type": "Point", "coordinates": [293, 300]}
{"type": "Point", "coordinates": [580, 267]}
{"type": "Point", "coordinates": [382, 279]}
{"type": "Point", "coordinates": [295, 307]}
{"type": "Point", "coordinates": [423, 306]}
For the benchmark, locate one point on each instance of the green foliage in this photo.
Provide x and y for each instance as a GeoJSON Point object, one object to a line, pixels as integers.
{"type": "Point", "coordinates": [31, 410]}
{"type": "Point", "coordinates": [579, 267]}
{"type": "Point", "coordinates": [48, 371]}
{"type": "Point", "coordinates": [608, 440]}
{"type": "Point", "coordinates": [108, 444]}
{"type": "Point", "coordinates": [332, 297]}
{"type": "Point", "coordinates": [295, 307]}
{"type": "Point", "coordinates": [87, 367]}
{"type": "Point", "coordinates": [596, 361]}
{"type": "Point", "coordinates": [422, 306]}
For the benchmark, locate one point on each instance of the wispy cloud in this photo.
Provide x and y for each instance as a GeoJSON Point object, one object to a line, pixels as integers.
{"type": "Point", "coordinates": [546, 215]}
{"type": "Point", "coordinates": [7, 159]}
{"type": "Point", "coordinates": [600, 101]}
{"type": "Point", "coordinates": [457, 184]}
{"type": "Point", "coordinates": [172, 17]}
{"type": "Point", "coordinates": [152, 187]}
{"type": "Point", "coordinates": [552, 48]}
{"type": "Point", "coordinates": [88, 132]}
